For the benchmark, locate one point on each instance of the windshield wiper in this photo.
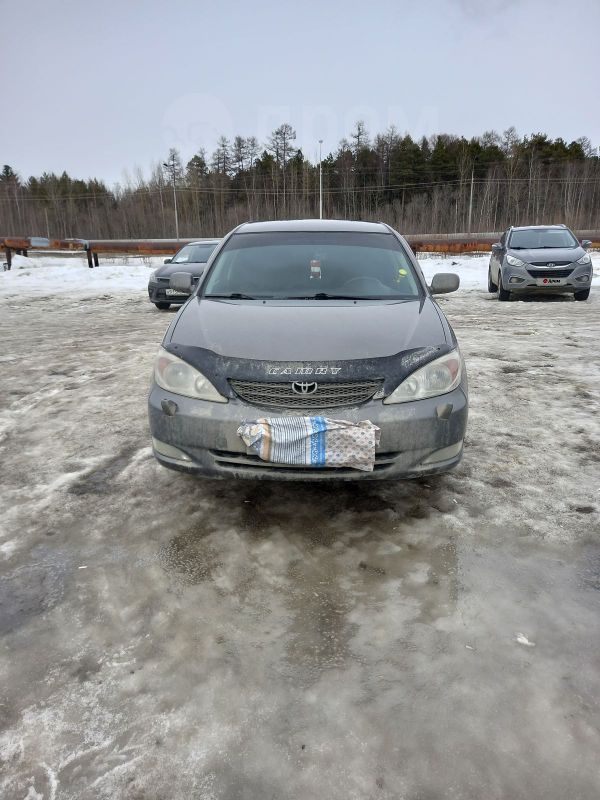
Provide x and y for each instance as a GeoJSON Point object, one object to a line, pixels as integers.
{"type": "Point", "coordinates": [322, 296]}
{"type": "Point", "coordinates": [234, 296]}
{"type": "Point", "coordinates": [326, 296]}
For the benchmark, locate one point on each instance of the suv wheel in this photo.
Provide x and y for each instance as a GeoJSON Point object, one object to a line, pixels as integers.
{"type": "Point", "coordinates": [503, 294]}
{"type": "Point", "coordinates": [492, 288]}
{"type": "Point", "coordinates": [582, 295]}
{"type": "Point", "coordinates": [163, 306]}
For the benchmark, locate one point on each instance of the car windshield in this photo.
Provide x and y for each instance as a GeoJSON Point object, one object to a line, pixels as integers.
{"type": "Point", "coordinates": [544, 238]}
{"type": "Point", "coordinates": [313, 265]}
{"type": "Point", "coordinates": [194, 254]}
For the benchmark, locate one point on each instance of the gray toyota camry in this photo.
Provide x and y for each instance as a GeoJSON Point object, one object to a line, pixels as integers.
{"type": "Point", "coordinates": [310, 350]}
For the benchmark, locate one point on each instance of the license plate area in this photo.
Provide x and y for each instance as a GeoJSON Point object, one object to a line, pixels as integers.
{"type": "Point", "coordinates": [172, 293]}
{"type": "Point", "coordinates": [551, 281]}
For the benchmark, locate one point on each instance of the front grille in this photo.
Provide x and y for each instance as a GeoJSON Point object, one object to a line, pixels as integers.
{"type": "Point", "coordinates": [545, 263]}
{"type": "Point", "coordinates": [549, 273]}
{"type": "Point", "coordinates": [248, 461]}
{"type": "Point", "coordinates": [195, 279]}
{"type": "Point", "coordinates": [327, 395]}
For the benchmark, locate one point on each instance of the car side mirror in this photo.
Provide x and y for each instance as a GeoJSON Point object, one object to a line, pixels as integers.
{"type": "Point", "coordinates": [168, 260]}
{"type": "Point", "coordinates": [444, 282]}
{"type": "Point", "coordinates": [586, 243]}
{"type": "Point", "coordinates": [181, 282]}
{"type": "Point", "coordinates": [496, 246]}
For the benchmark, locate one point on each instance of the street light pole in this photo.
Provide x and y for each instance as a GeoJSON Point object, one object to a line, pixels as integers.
{"type": "Point", "coordinates": [471, 200]}
{"type": "Point", "coordinates": [171, 167]}
{"type": "Point", "coordinates": [320, 181]}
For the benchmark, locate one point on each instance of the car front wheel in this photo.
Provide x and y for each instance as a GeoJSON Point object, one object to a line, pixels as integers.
{"type": "Point", "coordinates": [582, 295]}
{"type": "Point", "coordinates": [492, 288]}
{"type": "Point", "coordinates": [163, 306]}
{"type": "Point", "coordinates": [503, 294]}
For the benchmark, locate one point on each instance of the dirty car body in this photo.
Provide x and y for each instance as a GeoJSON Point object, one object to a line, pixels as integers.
{"type": "Point", "coordinates": [191, 258]}
{"type": "Point", "coordinates": [310, 317]}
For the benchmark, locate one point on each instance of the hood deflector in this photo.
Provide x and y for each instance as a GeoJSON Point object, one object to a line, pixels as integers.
{"type": "Point", "coordinates": [391, 369]}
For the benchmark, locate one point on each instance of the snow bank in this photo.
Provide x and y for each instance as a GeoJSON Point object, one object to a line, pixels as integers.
{"type": "Point", "coordinates": [71, 275]}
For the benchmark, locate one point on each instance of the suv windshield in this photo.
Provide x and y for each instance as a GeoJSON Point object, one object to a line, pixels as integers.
{"type": "Point", "coordinates": [543, 238]}
{"type": "Point", "coordinates": [194, 254]}
{"type": "Point", "coordinates": [313, 265]}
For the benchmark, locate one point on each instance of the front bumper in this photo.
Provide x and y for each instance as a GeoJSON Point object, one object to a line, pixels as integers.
{"type": "Point", "coordinates": [411, 434]}
{"type": "Point", "coordinates": [520, 280]}
{"type": "Point", "coordinates": [157, 292]}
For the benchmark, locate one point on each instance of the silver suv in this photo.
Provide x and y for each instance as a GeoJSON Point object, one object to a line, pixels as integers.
{"type": "Point", "coordinates": [540, 258]}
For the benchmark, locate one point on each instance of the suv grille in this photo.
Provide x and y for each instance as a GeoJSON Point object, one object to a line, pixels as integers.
{"type": "Point", "coordinates": [549, 273]}
{"type": "Point", "coordinates": [327, 395]}
{"type": "Point", "coordinates": [545, 263]}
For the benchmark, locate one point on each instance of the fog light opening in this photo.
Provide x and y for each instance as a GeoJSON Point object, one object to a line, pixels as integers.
{"type": "Point", "coordinates": [169, 451]}
{"type": "Point", "coordinates": [583, 278]}
{"type": "Point", "coordinates": [515, 279]}
{"type": "Point", "coordinates": [444, 454]}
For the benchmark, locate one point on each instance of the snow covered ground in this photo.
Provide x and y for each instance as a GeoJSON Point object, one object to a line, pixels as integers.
{"type": "Point", "coordinates": [167, 637]}
{"type": "Point", "coordinates": [71, 275]}
{"type": "Point", "coordinates": [53, 274]}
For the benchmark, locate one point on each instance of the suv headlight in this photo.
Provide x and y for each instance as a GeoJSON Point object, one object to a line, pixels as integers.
{"type": "Point", "coordinates": [585, 259]}
{"type": "Point", "coordinates": [438, 377]}
{"type": "Point", "coordinates": [177, 376]}
{"type": "Point", "coordinates": [514, 262]}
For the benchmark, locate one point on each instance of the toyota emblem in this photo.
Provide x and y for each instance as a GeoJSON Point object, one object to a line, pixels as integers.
{"type": "Point", "coordinates": [304, 387]}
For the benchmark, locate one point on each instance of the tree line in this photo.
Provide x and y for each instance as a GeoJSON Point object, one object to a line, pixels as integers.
{"type": "Point", "coordinates": [438, 184]}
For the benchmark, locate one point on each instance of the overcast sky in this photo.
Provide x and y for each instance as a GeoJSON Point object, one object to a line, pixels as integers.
{"type": "Point", "coordinates": [97, 88]}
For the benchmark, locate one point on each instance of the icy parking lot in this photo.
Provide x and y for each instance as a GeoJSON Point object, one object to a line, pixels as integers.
{"type": "Point", "coordinates": [168, 638]}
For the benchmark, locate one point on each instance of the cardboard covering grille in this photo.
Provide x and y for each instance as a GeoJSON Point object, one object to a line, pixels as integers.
{"type": "Point", "coordinates": [313, 441]}
{"type": "Point", "coordinates": [327, 395]}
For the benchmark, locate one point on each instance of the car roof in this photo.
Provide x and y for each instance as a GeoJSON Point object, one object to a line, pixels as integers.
{"type": "Point", "coordinates": [202, 241]}
{"type": "Point", "coordinates": [313, 225]}
{"type": "Point", "coordinates": [537, 227]}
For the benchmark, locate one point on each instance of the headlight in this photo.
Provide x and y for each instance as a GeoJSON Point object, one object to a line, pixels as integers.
{"type": "Point", "coordinates": [514, 262]}
{"type": "Point", "coordinates": [177, 376]}
{"type": "Point", "coordinates": [586, 259]}
{"type": "Point", "coordinates": [438, 377]}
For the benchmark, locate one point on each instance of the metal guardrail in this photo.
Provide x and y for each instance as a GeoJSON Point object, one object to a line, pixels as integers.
{"type": "Point", "coordinates": [424, 243]}
{"type": "Point", "coordinates": [92, 247]}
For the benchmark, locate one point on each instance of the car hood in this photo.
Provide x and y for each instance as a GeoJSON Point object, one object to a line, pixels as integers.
{"type": "Point", "coordinates": [307, 332]}
{"type": "Point", "coordinates": [195, 269]}
{"type": "Point", "coordinates": [540, 255]}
